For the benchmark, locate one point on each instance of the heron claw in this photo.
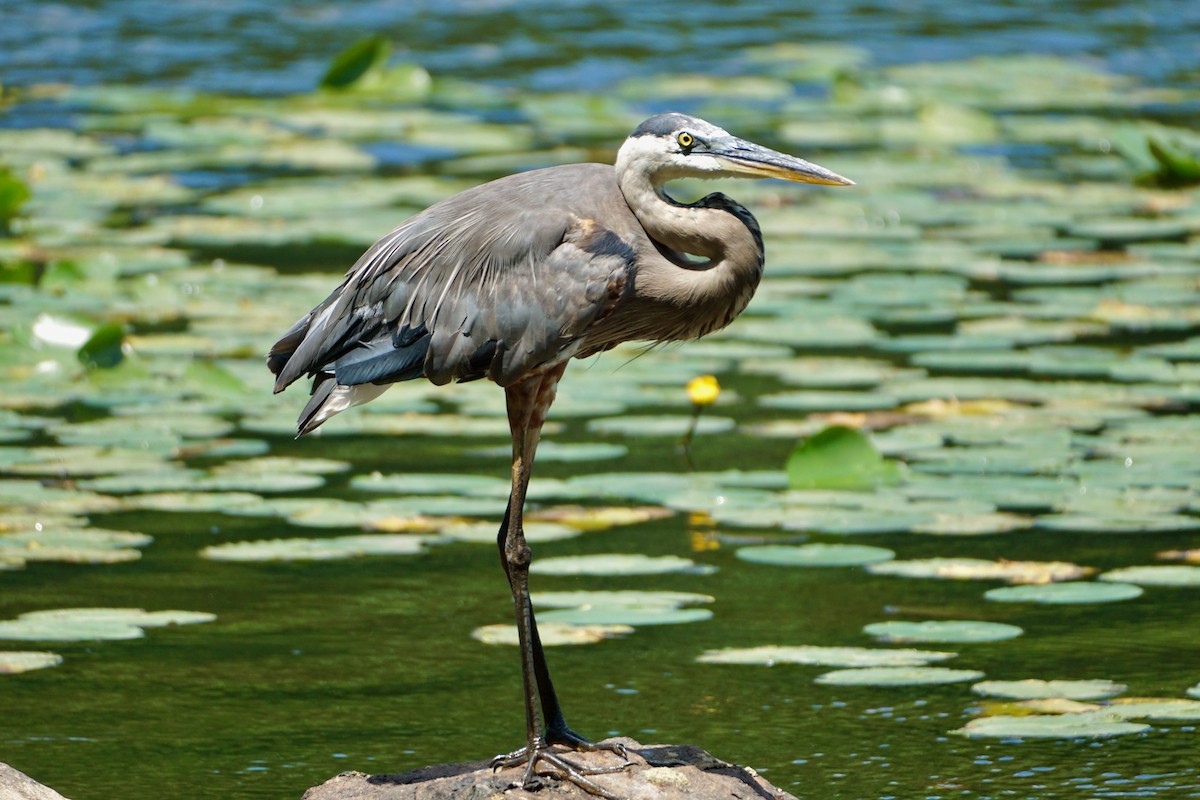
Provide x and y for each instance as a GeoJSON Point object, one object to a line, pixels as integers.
{"type": "Point", "coordinates": [540, 753]}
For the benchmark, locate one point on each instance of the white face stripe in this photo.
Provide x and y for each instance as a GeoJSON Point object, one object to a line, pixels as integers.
{"type": "Point", "coordinates": [665, 159]}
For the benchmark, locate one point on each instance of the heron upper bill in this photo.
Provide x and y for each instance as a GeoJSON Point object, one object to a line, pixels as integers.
{"type": "Point", "coordinates": [756, 161]}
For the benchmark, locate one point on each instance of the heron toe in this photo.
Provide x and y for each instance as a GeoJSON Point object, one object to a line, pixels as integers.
{"type": "Point", "coordinates": [542, 754]}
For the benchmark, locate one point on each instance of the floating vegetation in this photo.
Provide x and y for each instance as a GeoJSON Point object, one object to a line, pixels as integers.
{"type": "Point", "coordinates": [73, 545]}
{"type": "Point", "coordinates": [1065, 593]}
{"type": "Point", "coordinates": [947, 631]}
{"type": "Point", "coordinates": [815, 555]}
{"type": "Point", "coordinates": [1155, 575]}
{"type": "Point", "coordinates": [86, 624]}
{"type": "Point", "coordinates": [994, 336]}
{"type": "Point", "coordinates": [621, 607]}
{"type": "Point", "coordinates": [618, 564]}
{"type": "Point", "coordinates": [553, 634]}
{"type": "Point", "coordinates": [1155, 708]}
{"type": "Point", "coordinates": [1031, 688]}
{"type": "Point", "coordinates": [770, 655]}
{"type": "Point", "coordinates": [1087, 725]}
{"type": "Point", "coordinates": [14, 661]}
{"type": "Point", "coordinates": [897, 676]}
{"type": "Point", "coordinates": [840, 458]}
{"type": "Point", "coordinates": [960, 569]}
{"type": "Point", "coordinates": [335, 547]}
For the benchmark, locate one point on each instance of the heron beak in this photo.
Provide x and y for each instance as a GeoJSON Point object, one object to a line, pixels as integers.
{"type": "Point", "coordinates": [747, 159]}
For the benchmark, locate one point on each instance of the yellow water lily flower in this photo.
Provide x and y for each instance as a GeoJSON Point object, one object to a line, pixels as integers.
{"type": "Point", "coordinates": [704, 390]}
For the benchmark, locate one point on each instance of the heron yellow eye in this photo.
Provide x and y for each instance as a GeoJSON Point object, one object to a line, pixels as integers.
{"type": "Point", "coordinates": [685, 140]}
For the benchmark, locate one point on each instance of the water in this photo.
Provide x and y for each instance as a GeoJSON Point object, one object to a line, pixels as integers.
{"type": "Point", "coordinates": [368, 664]}
{"type": "Point", "coordinates": [241, 47]}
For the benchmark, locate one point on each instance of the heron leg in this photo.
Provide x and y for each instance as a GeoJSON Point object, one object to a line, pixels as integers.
{"type": "Point", "coordinates": [528, 402]}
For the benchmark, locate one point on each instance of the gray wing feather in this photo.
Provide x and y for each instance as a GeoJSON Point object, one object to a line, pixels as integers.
{"type": "Point", "coordinates": [479, 285]}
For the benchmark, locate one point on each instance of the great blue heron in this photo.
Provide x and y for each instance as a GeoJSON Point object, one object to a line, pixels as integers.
{"type": "Point", "coordinates": [510, 280]}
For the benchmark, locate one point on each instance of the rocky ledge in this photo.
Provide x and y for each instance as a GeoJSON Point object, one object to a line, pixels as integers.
{"type": "Point", "coordinates": [16, 785]}
{"type": "Point", "coordinates": [653, 772]}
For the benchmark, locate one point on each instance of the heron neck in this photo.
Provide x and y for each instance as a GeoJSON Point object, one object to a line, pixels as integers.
{"type": "Point", "coordinates": [722, 233]}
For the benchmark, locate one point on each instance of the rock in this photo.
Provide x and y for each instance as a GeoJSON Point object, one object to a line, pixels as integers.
{"type": "Point", "coordinates": [654, 772]}
{"type": "Point", "coordinates": [16, 785]}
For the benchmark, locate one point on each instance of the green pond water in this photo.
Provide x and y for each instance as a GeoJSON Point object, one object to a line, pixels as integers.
{"type": "Point", "coordinates": [1007, 305]}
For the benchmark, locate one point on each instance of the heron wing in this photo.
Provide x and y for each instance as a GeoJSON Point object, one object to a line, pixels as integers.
{"type": "Point", "coordinates": [496, 282]}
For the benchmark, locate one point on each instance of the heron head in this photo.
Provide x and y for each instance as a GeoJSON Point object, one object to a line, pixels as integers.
{"type": "Point", "coordinates": [674, 145]}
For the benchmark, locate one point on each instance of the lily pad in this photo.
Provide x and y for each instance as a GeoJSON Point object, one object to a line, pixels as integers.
{"type": "Point", "coordinates": [626, 615]}
{"type": "Point", "coordinates": [770, 655]}
{"type": "Point", "coordinates": [1088, 725]}
{"type": "Point", "coordinates": [598, 518]}
{"type": "Point", "coordinates": [1065, 593]}
{"type": "Point", "coordinates": [1031, 572]}
{"type": "Point", "coordinates": [815, 555]}
{"type": "Point", "coordinates": [72, 545]}
{"type": "Point", "coordinates": [618, 564]}
{"type": "Point", "coordinates": [663, 425]}
{"type": "Point", "coordinates": [840, 458]}
{"type": "Point", "coordinates": [897, 676]}
{"type": "Point", "coordinates": [1179, 575]}
{"type": "Point", "coordinates": [84, 624]}
{"type": "Point", "coordinates": [337, 547]}
{"type": "Point", "coordinates": [485, 532]}
{"type": "Point", "coordinates": [949, 631]}
{"type": "Point", "coordinates": [429, 483]}
{"type": "Point", "coordinates": [552, 634]}
{"type": "Point", "coordinates": [1155, 708]}
{"type": "Point", "coordinates": [13, 661]}
{"type": "Point", "coordinates": [567, 451]}
{"type": "Point", "coordinates": [1031, 689]}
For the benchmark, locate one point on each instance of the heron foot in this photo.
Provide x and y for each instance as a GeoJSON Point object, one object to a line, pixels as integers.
{"type": "Point", "coordinates": [540, 759]}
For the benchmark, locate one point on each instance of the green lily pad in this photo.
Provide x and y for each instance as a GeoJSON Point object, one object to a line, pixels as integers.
{"type": "Point", "coordinates": [949, 631]}
{"type": "Point", "coordinates": [625, 597]}
{"type": "Point", "coordinates": [552, 634]}
{"type": "Point", "coordinates": [974, 524]}
{"type": "Point", "coordinates": [618, 564]}
{"type": "Point", "coordinates": [337, 547]}
{"type": "Point", "coordinates": [897, 676]}
{"type": "Point", "coordinates": [85, 461]}
{"type": "Point", "coordinates": [1084, 522]}
{"type": "Point", "coordinates": [626, 615]}
{"type": "Point", "coordinates": [840, 458]}
{"type": "Point", "coordinates": [815, 555]}
{"type": "Point", "coordinates": [73, 545]}
{"type": "Point", "coordinates": [569, 452]}
{"type": "Point", "coordinates": [1032, 689]}
{"type": "Point", "coordinates": [1065, 593]}
{"type": "Point", "coordinates": [283, 464]}
{"type": "Point", "coordinates": [1119, 231]}
{"type": "Point", "coordinates": [770, 655]}
{"type": "Point", "coordinates": [663, 425]}
{"type": "Point", "coordinates": [1172, 575]}
{"type": "Point", "coordinates": [14, 661]}
{"type": "Point", "coordinates": [189, 502]}
{"type": "Point", "coordinates": [485, 532]}
{"type": "Point", "coordinates": [168, 479]}
{"type": "Point", "coordinates": [621, 607]}
{"type": "Point", "coordinates": [84, 624]}
{"type": "Point", "coordinates": [1031, 572]}
{"type": "Point", "coordinates": [1087, 725]}
{"type": "Point", "coordinates": [363, 56]}
{"type": "Point", "coordinates": [1166, 709]}
{"type": "Point", "coordinates": [226, 479]}
{"type": "Point", "coordinates": [429, 483]}
{"type": "Point", "coordinates": [813, 401]}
